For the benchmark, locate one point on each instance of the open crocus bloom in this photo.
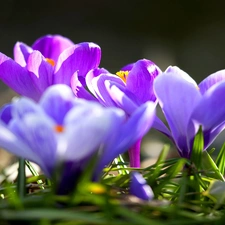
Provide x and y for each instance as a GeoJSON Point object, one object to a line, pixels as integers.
{"type": "Point", "coordinates": [64, 130]}
{"type": "Point", "coordinates": [128, 90]}
{"type": "Point", "coordinates": [187, 105]}
{"type": "Point", "coordinates": [50, 60]}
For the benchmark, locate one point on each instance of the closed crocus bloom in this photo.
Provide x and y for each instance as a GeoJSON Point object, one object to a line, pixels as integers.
{"type": "Point", "coordinates": [52, 59]}
{"type": "Point", "coordinates": [140, 188]}
{"type": "Point", "coordinates": [187, 106]}
{"type": "Point", "coordinates": [63, 130]}
{"type": "Point", "coordinates": [128, 89]}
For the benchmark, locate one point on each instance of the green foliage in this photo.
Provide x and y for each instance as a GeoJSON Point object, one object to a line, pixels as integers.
{"type": "Point", "coordinates": [186, 192]}
{"type": "Point", "coordinates": [198, 146]}
{"type": "Point", "coordinates": [220, 160]}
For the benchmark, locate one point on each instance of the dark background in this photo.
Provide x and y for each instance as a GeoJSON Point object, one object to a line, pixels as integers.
{"type": "Point", "coordinates": [186, 33]}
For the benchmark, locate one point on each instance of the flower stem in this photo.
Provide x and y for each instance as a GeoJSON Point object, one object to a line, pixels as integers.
{"type": "Point", "coordinates": [134, 154]}
{"type": "Point", "coordinates": [21, 181]}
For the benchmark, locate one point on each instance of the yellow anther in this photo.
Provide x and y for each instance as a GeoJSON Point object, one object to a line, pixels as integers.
{"type": "Point", "coordinates": [50, 61]}
{"type": "Point", "coordinates": [59, 128]}
{"type": "Point", "coordinates": [123, 75]}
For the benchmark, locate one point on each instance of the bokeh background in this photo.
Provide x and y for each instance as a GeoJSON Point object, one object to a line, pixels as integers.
{"type": "Point", "coordinates": [186, 33]}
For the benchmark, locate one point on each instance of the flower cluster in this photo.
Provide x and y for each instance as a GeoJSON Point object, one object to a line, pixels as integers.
{"type": "Point", "coordinates": [72, 110]}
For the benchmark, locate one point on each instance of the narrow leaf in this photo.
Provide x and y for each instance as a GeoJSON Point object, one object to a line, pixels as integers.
{"type": "Point", "coordinates": [220, 160]}
{"type": "Point", "coordinates": [210, 168]}
{"type": "Point", "coordinates": [198, 146]}
{"type": "Point", "coordinates": [159, 163]}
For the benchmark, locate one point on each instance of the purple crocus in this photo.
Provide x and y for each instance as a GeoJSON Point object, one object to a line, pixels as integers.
{"type": "Point", "coordinates": [187, 105]}
{"type": "Point", "coordinates": [140, 188]}
{"type": "Point", "coordinates": [50, 60]}
{"type": "Point", "coordinates": [128, 90]}
{"type": "Point", "coordinates": [64, 130]}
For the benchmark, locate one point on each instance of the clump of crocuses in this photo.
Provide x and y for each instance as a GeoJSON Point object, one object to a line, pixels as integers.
{"type": "Point", "coordinates": [61, 130]}
{"type": "Point", "coordinates": [128, 89]}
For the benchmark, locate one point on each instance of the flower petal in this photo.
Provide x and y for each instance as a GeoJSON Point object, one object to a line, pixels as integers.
{"type": "Point", "coordinates": [210, 112]}
{"type": "Point", "coordinates": [10, 142]}
{"type": "Point", "coordinates": [40, 70]}
{"type": "Point", "coordinates": [160, 126]}
{"type": "Point", "coordinates": [81, 136]}
{"type": "Point", "coordinates": [91, 75]}
{"type": "Point", "coordinates": [176, 70]}
{"type": "Point", "coordinates": [140, 80]}
{"type": "Point", "coordinates": [38, 133]}
{"type": "Point", "coordinates": [97, 85]}
{"type": "Point", "coordinates": [24, 106]}
{"type": "Point", "coordinates": [140, 123]}
{"type": "Point", "coordinates": [17, 78]}
{"type": "Point", "coordinates": [121, 97]}
{"type": "Point", "coordinates": [6, 113]}
{"type": "Point", "coordinates": [211, 80]}
{"type": "Point", "coordinates": [81, 57]}
{"type": "Point", "coordinates": [140, 188]}
{"type": "Point", "coordinates": [127, 67]}
{"type": "Point", "coordinates": [21, 53]}
{"type": "Point", "coordinates": [177, 97]}
{"type": "Point", "coordinates": [51, 46]}
{"type": "Point", "coordinates": [79, 90]}
{"type": "Point", "coordinates": [56, 101]}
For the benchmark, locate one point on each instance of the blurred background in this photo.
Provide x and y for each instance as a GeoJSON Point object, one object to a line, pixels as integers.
{"type": "Point", "coordinates": [186, 33]}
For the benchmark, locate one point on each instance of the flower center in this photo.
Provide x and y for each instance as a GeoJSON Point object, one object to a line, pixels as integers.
{"type": "Point", "coordinates": [59, 128]}
{"type": "Point", "coordinates": [50, 61]}
{"type": "Point", "coordinates": [123, 75]}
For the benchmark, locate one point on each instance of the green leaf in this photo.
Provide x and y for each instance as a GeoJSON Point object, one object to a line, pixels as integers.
{"type": "Point", "coordinates": [210, 168]}
{"type": "Point", "coordinates": [159, 163]}
{"type": "Point", "coordinates": [51, 214]}
{"type": "Point", "coordinates": [34, 173]}
{"type": "Point", "coordinates": [220, 160]}
{"type": "Point", "coordinates": [121, 165]}
{"type": "Point", "coordinates": [198, 146]}
{"type": "Point", "coordinates": [172, 172]}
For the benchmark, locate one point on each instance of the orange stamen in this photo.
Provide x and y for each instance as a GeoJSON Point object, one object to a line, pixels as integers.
{"type": "Point", "coordinates": [50, 61]}
{"type": "Point", "coordinates": [59, 128]}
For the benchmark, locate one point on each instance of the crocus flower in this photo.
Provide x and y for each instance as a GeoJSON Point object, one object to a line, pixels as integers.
{"type": "Point", "coordinates": [128, 90]}
{"type": "Point", "coordinates": [64, 130]}
{"type": "Point", "coordinates": [50, 60]}
{"type": "Point", "coordinates": [131, 87]}
{"type": "Point", "coordinates": [140, 188]}
{"type": "Point", "coordinates": [187, 105]}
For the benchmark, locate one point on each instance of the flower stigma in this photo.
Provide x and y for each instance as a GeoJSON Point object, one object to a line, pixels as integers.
{"type": "Point", "coordinates": [123, 75]}
{"type": "Point", "coordinates": [59, 128]}
{"type": "Point", "coordinates": [50, 61]}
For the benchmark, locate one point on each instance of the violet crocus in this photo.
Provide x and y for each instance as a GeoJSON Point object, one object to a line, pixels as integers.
{"type": "Point", "coordinates": [140, 188]}
{"type": "Point", "coordinates": [187, 106]}
{"type": "Point", "coordinates": [63, 130]}
{"type": "Point", "coordinates": [128, 90]}
{"type": "Point", "coordinates": [52, 59]}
